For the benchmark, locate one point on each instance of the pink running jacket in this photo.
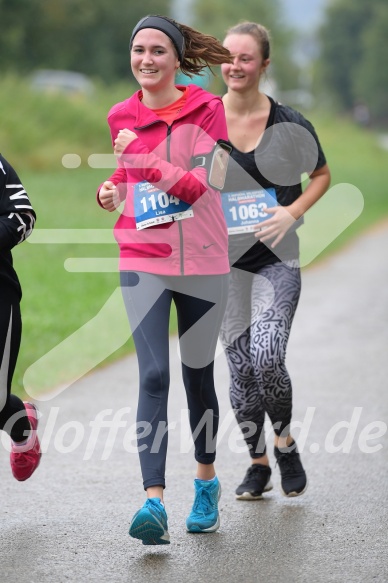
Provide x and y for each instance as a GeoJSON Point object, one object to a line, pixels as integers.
{"type": "Point", "coordinates": [163, 156]}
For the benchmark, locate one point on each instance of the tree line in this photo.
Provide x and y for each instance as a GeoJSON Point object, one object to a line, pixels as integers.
{"type": "Point", "coordinates": [91, 36]}
{"type": "Point", "coordinates": [88, 36]}
{"type": "Point", "coordinates": [354, 57]}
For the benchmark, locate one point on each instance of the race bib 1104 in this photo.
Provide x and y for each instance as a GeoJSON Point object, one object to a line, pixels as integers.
{"type": "Point", "coordinates": [245, 209]}
{"type": "Point", "coordinates": [154, 207]}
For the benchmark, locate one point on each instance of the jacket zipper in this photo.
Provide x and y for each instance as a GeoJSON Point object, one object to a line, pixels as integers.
{"type": "Point", "coordinates": [181, 241]}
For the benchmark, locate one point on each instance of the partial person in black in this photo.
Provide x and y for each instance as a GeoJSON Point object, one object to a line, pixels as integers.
{"type": "Point", "coordinates": [264, 203]}
{"type": "Point", "coordinates": [18, 419]}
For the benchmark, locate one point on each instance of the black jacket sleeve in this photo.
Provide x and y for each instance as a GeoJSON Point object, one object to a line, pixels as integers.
{"type": "Point", "coordinates": [17, 217]}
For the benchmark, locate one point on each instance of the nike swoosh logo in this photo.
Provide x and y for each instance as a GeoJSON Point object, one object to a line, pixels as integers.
{"type": "Point", "coordinates": [207, 246]}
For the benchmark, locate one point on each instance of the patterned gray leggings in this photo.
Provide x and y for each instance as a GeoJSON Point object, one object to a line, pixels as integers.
{"type": "Point", "coordinates": [255, 333]}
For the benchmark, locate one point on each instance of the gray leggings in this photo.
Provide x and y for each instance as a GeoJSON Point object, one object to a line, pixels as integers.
{"type": "Point", "coordinates": [255, 333]}
{"type": "Point", "coordinates": [200, 304]}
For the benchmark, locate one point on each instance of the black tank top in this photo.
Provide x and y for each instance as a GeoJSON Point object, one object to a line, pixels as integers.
{"type": "Point", "coordinates": [258, 254]}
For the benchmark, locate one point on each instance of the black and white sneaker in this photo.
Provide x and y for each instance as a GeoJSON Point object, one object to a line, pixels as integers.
{"type": "Point", "coordinates": [257, 480]}
{"type": "Point", "coordinates": [293, 476]}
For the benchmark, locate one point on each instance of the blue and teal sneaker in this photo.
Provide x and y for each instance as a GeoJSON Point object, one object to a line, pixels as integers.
{"type": "Point", "coordinates": [149, 524]}
{"type": "Point", "coordinates": [204, 516]}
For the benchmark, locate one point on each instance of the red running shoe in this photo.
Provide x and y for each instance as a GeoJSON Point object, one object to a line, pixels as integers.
{"type": "Point", "coordinates": [25, 458]}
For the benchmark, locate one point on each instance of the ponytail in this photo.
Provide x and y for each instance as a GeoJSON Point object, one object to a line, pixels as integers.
{"type": "Point", "coordinates": [201, 51]}
{"type": "Point", "coordinates": [196, 51]}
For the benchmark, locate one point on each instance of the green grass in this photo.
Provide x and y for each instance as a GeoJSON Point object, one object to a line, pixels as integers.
{"type": "Point", "coordinates": [66, 331]}
{"type": "Point", "coordinates": [56, 303]}
{"type": "Point", "coordinates": [355, 158]}
{"type": "Point", "coordinates": [38, 129]}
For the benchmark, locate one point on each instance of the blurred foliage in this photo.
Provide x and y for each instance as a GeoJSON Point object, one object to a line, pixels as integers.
{"type": "Point", "coordinates": [37, 129]}
{"type": "Point", "coordinates": [354, 50]}
{"type": "Point", "coordinates": [218, 16]}
{"type": "Point", "coordinates": [89, 36]}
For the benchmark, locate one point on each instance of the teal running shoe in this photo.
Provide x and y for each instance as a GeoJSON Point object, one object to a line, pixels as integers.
{"type": "Point", "coordinates": [204, 516]}
{"type": "Point", "coordinates": [149, 524]}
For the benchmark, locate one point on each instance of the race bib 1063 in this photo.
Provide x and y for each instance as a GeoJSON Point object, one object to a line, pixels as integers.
{"type": "Point", "coordinates": [153, 206]}
{"type": "Point", "coordinates": [245, 208]}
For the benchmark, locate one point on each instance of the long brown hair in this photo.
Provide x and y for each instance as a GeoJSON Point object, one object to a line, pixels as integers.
{"type": "Point", "coordinates": [200, 50]}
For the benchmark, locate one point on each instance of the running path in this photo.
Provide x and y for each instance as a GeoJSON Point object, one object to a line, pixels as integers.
{"type": "Point", "coordinates": [69, 522]}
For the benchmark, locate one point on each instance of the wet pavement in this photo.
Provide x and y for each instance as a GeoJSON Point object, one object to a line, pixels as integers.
{"type": "Point", "coordinates": [69, 522]}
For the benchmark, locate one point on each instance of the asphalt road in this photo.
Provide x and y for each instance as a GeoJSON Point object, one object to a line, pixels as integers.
{"type": "Point", "coordinates": [69, 522]}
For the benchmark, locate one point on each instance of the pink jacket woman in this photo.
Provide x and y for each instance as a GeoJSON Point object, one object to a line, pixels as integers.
{"type": "Point", "coordinates": [163, 156]}
{"type": "Point", "coordinates": [173, 250]}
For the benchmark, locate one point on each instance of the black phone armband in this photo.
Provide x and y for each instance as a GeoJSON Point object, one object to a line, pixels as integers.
{"type": "Point", "coordinates": [216, 163]}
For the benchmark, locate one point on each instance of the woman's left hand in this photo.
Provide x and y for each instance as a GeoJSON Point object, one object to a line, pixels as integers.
{"type": "Point", "coordinates": [124, 138]}
{"type": "Point", "coordinates": [276, 226]}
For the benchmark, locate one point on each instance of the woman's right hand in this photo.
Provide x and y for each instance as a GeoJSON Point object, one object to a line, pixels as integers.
{"type": "Point", "coordinates": [109, 196]}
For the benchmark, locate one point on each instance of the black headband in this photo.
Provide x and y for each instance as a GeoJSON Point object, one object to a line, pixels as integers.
{"type": "Point", "coordinates": [164, 25]}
